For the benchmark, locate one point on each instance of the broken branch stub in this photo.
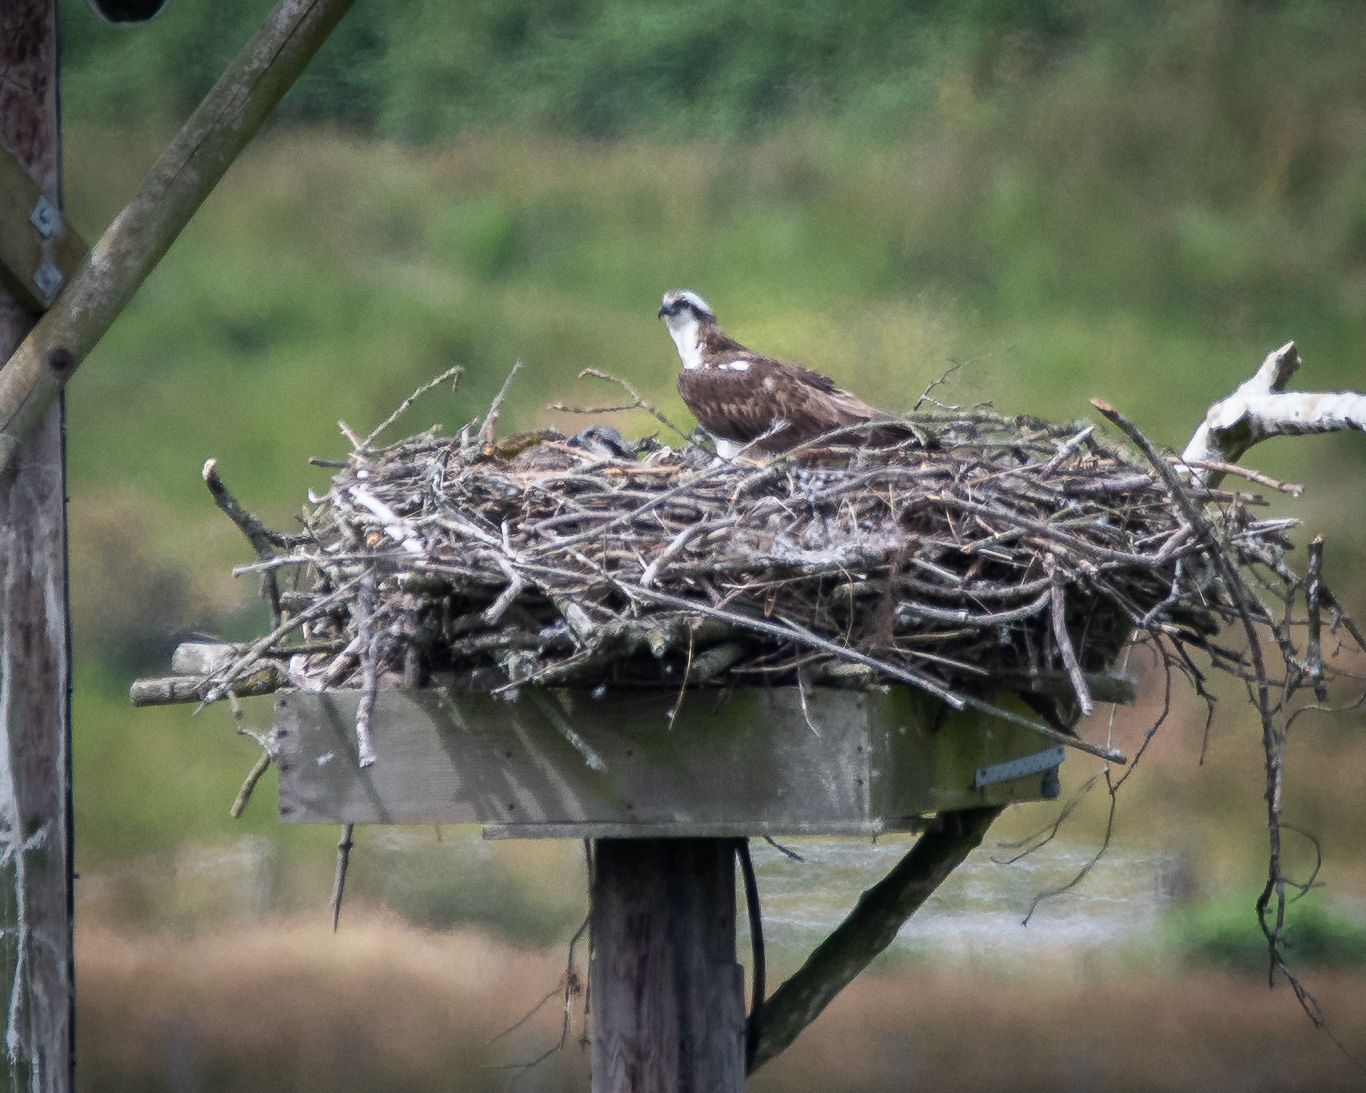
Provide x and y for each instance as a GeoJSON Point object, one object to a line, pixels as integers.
{"type": "Point", "coordinates": [1261, 408]}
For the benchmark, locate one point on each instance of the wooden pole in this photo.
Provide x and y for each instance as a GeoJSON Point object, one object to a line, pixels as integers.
{"type": "Point", "coordinates": [35, 813]}
{"type": "Point", "coordinates": [132, 245]}
{"type": "Point", "coordinates": [667, 994]}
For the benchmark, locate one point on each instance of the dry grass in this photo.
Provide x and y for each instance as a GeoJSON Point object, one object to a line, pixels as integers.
{"type": "Point", "coordinates": [946, 1031]}
{"type": "Point", "coordinates": [379, 1004]}
{"type": "Point", "coordinates": [382, 1006]}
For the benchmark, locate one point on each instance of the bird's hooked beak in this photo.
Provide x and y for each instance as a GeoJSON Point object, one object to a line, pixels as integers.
{"type": "Point", "coordinates": [665, 309]}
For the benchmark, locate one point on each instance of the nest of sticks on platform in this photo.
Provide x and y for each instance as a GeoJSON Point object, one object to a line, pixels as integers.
{"type": "Point", "coordinates": [983, 554]}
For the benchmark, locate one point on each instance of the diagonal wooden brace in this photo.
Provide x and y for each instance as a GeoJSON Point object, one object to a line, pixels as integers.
{"type": "Point", "coordinates": [182, 178]}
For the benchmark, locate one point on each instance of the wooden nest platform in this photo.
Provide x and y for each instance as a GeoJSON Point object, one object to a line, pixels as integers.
{"type": "Point", "coordinates": [985, 555]}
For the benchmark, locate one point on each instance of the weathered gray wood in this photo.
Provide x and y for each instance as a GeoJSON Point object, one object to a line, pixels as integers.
{"type": "Point", "coordinates": [177, 690]}
{"type": "Point", "coordinates": [668, 995]}
{"type": "Point", "coordinates": [561, 763]}
{"type": "Point", "coordinates": [868, 929]}
{"type": "Point", "coordinates": [203, 658]}
{"type": "Point", "coordinates": [35, 816]}
{"type": "Point", "coordinates": [132, 245]}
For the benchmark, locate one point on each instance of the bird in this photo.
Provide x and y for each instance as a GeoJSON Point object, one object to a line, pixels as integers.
{"type": "Point", "coordinates": [602, 441]}
{"type": "Point", "coordinates": [744, 398]}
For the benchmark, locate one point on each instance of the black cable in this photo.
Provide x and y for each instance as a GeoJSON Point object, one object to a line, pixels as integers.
{"type": "Point", "coordinates": [756, 942]}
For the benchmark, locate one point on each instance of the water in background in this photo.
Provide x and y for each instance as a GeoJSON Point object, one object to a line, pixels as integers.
{"type": "Point", "coordinates": [536, 893]}
{"type": "Point", "coordinates": [979, 912]}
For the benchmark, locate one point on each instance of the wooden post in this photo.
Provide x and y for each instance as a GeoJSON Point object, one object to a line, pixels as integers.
{"type": "Point", "coordinates": [35, 816]}
{"type": "Point", "coordinates": [667, 994]}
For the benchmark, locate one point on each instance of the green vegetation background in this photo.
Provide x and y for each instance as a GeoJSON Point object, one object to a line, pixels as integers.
{"type": "Point", "coordinates": [1127, 200]}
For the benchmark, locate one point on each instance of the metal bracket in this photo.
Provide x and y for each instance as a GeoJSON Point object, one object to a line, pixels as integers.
{"type": "Point", "coordinates": [45, 217]}
{"type": "Point", "coordinates": [39, 250]}
{"type": "Point", "coordinates": [1040, 761]}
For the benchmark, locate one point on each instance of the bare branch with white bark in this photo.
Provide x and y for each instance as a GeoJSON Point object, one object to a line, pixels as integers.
{"type": "Point", "coordinates": [1261, 408]}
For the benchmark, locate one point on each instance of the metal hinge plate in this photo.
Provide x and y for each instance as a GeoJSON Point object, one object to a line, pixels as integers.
{"type": "Point", "coordinates": [1037, 763]}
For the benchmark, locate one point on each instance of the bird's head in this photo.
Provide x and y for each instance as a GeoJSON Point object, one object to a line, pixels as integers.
{"type": "Point", "coordinates": [686, 304]}
{"type": "Point", "coordinates": [684, 313]}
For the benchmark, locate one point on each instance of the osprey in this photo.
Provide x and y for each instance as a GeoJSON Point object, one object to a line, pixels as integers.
{"type": "Point", "coordinates": [739, 395]}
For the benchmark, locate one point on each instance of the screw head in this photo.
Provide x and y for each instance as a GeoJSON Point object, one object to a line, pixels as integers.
{"type": "Point", "coordinates": [45, 217]}
{"type": "Point", "coordinates": [48, 279]}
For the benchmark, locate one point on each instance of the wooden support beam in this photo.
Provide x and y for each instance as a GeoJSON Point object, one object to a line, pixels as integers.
{"type": "Point", "coordinates": [132, 245]}
{"type": "Point", "coordinates": [668, 995]}
{"type": "Point", "coordinates": [869, 928]}
{"type": "Point", "coordinates": [35, 773]}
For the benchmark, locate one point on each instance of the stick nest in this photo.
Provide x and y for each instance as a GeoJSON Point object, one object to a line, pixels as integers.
{"type": "Point", "coordinates": [984, 554]}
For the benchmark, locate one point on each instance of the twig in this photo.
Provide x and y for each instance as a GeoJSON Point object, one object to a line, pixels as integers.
{"type": "Point", "coordinates": [1040, 838]}
{"type": "Point", "coordinates": [1294, 489]}
{"type": "Point", "coordinates": [805, 637]}
{"type": "Point", "coordinates": [1313, 595]}
{"type": "Point", "coordinates": [571, 984]}
{"type": "Point", "coordinates": [1064, 640]}
{"type": "Point", "coordinates": [262, 539]}
{"type": "Point", "coordinates": [801, 699]}
{"type": "Point", "coordinates": [365, 597]}
{"type": "Point", "coordinates": [357, 444]}
{"type": "Point", "coordinates": [551, 993]}
{"type": "Point", "coordinates": [677, 543]}
{"type": "Point", "coordinates": [344, 845]}
{"type": "Point", "coordinates": [1066, 448]}
{"type": "Point", "coordinates": [258, 649]}
{"type": "Point", "coordinates": [239, 804]}
{"type": "Point", "coordinates": [175, 690]}
{"type": "Point", "coordinates": [941, 379]}
{"type": "Point", "coordinates": [485, 435]}
{"type": "Point", "coordinates": [637, 402]}
{"type": "Point", "coordinates": [1273, 741]}
{"type": "Point", "coordinates": [452, 374]}
{"type": "Point", "coordinates": [786, 851]}
{"type": "Point", "coordinates": [1086, 868]}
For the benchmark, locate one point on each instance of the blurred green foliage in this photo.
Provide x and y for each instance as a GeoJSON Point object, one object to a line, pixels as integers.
{"type": "Point", "coordinates": [1127, 200]}
{"type": "Point", "coordinates": [425, 69]}
{"type": "Point", "coordinates": [1224, 934]}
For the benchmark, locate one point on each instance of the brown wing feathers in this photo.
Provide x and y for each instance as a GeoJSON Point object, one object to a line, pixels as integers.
{"type": "Point", "coordinates": [738, 394]}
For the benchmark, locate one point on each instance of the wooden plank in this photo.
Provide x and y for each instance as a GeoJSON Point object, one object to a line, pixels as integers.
{"type": "Point", "coordinates": [668, 995]}
{"type": "Point", "coordinates": [35, 775]}
{"type": "Point", "coordinates": [561, 763]}
{"type": "Point", "coordinates": [39, 250]}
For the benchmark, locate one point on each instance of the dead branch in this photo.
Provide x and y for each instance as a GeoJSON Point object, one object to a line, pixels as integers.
{"type": "Point", "coordinates": [240, 802]}
{"type": "Point", "coordinates": [262, 539]}
{"type": "Point", "coordinates": [344, 845]}
{"type": "Point", "coordinates": [1261, 408]}
{"type": "Point", "coordinates": [452, 374]}
{"type": "Point", "coordinates": [637, 402]}
{"type": "Point", "coordinates": [485, 434]}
